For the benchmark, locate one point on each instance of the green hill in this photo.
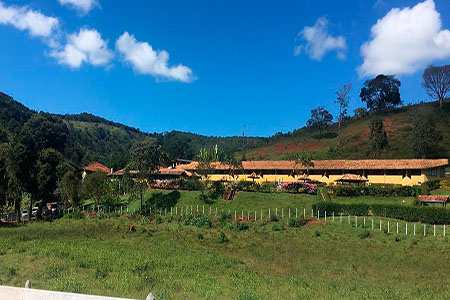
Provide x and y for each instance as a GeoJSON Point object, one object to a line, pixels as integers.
{"type": "Point", "coordinates": [92, 138]}
{"type": "Point", "coordinates": [353, 141]}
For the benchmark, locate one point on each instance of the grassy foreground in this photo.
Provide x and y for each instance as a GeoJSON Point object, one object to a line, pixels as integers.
{"type": "Point", "coordinates": [268, 261]}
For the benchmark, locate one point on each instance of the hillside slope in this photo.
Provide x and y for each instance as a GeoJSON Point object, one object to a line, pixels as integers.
{"type": "Point", "coordinates": [353, 142]}
{"type": "Point", "coordinates": [92, 138]}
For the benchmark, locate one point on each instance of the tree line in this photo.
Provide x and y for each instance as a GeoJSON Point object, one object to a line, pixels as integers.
{"type": "Point", "coordinates": [380, 94]}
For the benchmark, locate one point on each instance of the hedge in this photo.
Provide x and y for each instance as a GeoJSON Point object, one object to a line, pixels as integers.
{"type": "Point", "coordinates": [438, 216]}
{"type": "Point", "coordinates": [373, 190]}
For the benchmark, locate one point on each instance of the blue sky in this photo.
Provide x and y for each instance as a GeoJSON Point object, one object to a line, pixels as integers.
{"type": "Point", "coordinates": [264, 64]}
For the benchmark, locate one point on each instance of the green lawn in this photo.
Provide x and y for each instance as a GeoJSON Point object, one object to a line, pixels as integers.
{"type": "Point", "coordinates": [245, 201]}
{"type": "Point", "coordinates": [175, 261]}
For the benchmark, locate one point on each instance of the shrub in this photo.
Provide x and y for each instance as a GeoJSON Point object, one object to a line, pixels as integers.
{"type": "Point", "coordinates": [268, 187]}
{"type": "Point", "coordinates": [317, 233]}
{"type": "Point", "coordinates": [200, 236]}
{"type": "Point", "coordinates": [296, 222]}
{"type": "Point", "coordinates": [222, 237]}
{"type": "Point", "coordinates": [300, 187]}
{"type": "Point", "coordinates": [274, 218]}
{"type": "Point", "coordinates": [364, 235]}
{"type": "Point", "coordinates": [372, 190]}
{"type": "Point", "coordinates": [422, 214]}
{"type": "Point", "coordinates": [277, 227]}
{"type": "Point", "coordinates": [77, 215]}
{"type": "Point", "coordinates": [445, 184]}
{"type": "Point", "coordinates": [193, 184]}
{"type": "Point", "coordinates": [241, 226]}
{"type": "Point", "coordinates": [197, 220]}
{"type": "Point", "coordinates": [248, 186]}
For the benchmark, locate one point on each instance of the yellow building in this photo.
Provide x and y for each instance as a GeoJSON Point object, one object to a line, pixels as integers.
{"type": "Point", "coordinates": [384, 171]}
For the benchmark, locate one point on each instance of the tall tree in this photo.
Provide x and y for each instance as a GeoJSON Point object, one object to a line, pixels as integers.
{"type": "Point", "coordinates": [425, 137]}
{"type": "Point", "coordinates": [381, 92]}
{"type": "Point", "coordinates": [70, 188]}
{"type": "Point", "coordinates": [377, 136]}
{"type": "Point", "coordinates": [342, 99]}
{"type": "Point", "coordinates": [436, 81]}
{"type": "Point", "coordinates": [48, 175]}
{"type": "Point", "coordinates": [231, 162]}
{"type": "Point", "coordinates": [10, 187]}
{"type": "Point", "coordinates": [320, 119]}
{"type": "Point", "coordinates": [95, 186]}
{"type": "Point", "coordinates": [145, 158]}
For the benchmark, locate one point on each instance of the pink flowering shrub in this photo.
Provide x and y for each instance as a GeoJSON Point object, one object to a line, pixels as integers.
{"type": "Point", "coordinates": [300, 187]}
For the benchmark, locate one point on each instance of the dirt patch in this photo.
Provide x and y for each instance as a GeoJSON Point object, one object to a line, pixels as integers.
{"type": "Point", "coordinates": [313, 222]}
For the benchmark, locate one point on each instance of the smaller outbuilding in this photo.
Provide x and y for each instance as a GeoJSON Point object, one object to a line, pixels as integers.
{"type": "Point", "coordinates": [430, 199]}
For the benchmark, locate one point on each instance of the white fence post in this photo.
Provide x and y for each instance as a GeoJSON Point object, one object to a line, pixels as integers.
{"type": "Point", "coordinates": [414, 228]}
{"type": "Point", "coordinates": [356, 221]}
{"type": "Point", "coordinates": [372, 224]}
{"type": "Point", "coordinates": [397, 227]}
{"type": "Point", "coordinates": [406, 229]}
{"type": "Point", "coordinates": [388, 226]}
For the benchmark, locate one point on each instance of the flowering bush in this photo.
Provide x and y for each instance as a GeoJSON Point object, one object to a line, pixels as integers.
{"type": "Point", "coordinates": [300, 187]}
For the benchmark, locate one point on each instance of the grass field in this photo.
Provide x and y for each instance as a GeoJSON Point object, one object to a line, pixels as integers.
{"type": "Point", "coordinates": [268, 260]}
{"type": "Point", "coordinates": [174, 261]}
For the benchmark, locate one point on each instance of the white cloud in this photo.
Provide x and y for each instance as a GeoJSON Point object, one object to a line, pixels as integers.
{"type": "Point", "coordinates": [24, 18]}
{"type": "Point", "coordinates": [86, 46]}
{"type": "Point", "coordinates": [145, 60]}
{"type": "Point", "coordinates": [405, 40]}
{"type": "Point", "coordinates": [83, 6]}
{"type": "Point", "coordinates": [319, 42]}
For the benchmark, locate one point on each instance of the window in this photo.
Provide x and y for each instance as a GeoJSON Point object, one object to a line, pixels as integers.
{"type": "Point", "coordinates": [432, 172]}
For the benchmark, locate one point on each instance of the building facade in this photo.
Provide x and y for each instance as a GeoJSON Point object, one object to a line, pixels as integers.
{"type": "Point", "coordinates": [391, 171]}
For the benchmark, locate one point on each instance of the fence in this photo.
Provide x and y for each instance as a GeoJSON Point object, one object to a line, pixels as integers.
{"type": "Point", "coordinates": [382, 224]}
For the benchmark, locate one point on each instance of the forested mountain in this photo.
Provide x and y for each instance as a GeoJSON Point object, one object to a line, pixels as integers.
{"type": "Point", "coordinates": [92, 138]}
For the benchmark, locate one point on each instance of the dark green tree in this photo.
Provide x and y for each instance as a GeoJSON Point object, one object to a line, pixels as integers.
{"type": "Point", "coordinates": [425, 136]}
{"type": "Point", "coordinates": [95, 186]}
{"type": "Point", "coordinates": [381, 92]}
{"type": "Point", "coordinates": [378, 137]}
{"type": "Point", "coordinates": [179, 146]}
{"type": "Point", "coordinates": [145, 158]}
{"type": "Point", "coordinates": [320, 119]}
{"type": "Point", "coordinates": [10, 187]}
{"type": "Point", "coordinates": [48, 175]}
{"type": "Point", "coordinates": [70, 188]}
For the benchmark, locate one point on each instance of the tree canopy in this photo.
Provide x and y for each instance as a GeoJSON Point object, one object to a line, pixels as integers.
{"type": "Point", "coordinates": [320, 119]}
{"type": "Point", "coordinates": [436, 81]}
{"type": "Point", "coordinates": [381, 92]}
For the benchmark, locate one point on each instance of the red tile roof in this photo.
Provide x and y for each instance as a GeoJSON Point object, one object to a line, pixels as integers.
{"type": "Point", "coordinates": [365, 164]}
{"type": "Point", "coordinates": [96, 167]}
{"type": "Point", "coordinates": [433, 198]}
